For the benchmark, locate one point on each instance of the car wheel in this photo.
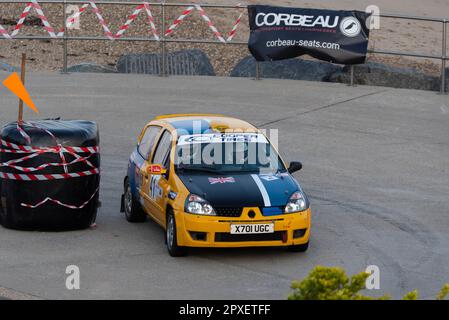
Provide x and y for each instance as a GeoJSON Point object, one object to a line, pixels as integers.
{"type": "Point", "coordinates": [171, 238]}
{"type": "Point", "coordinates": [299, 247]}
{"type": "Point", "coordinates": [133, 210]}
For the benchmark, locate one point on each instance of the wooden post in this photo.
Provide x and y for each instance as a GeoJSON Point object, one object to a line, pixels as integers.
{"type": "Point", "coordinates": [22, 78]}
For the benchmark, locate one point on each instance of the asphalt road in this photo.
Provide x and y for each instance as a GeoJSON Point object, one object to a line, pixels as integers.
{"type": "Point", "coordinates": [376, 168]}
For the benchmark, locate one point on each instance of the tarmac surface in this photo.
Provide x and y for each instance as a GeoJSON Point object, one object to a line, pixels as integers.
{"type": "Point", "coordinates": [376, 169]}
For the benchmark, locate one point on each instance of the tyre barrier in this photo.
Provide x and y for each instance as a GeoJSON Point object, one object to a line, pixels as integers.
{"type": "Point", "coordinates": [49, 174]}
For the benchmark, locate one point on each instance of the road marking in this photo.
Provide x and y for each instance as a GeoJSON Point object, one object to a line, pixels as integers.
{"type": "Point", "coordinates": [296, 114]}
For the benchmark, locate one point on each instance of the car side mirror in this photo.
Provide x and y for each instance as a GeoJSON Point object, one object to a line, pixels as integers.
{"type": "Point", "coordinates": [156, 169]}
{"type": "Point", "coordinates": [294, 166]}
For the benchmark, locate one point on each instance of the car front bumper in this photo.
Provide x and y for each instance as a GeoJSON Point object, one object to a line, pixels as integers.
{"type": "Point", "coordinates": [214, 231]}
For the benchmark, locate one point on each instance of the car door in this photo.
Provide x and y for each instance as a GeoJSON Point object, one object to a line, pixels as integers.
{"type": "Point", "coordinates": [145, 150]}
{"type": "Point", "coordinates": [157, 187]}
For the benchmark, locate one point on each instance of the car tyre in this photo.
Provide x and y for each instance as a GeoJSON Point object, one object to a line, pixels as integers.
{"type": "Point", "coordinates": [133, 210]}
{"type": "Point", "coordinates": [171, 238]}
{"type": "Point", "coordinates": [299, 247]}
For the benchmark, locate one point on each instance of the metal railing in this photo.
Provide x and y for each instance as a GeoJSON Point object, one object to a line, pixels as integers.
{"type": "Point", "coordinates": [163, 40]}
{"type": "Point", "coordinates": [443, 57]}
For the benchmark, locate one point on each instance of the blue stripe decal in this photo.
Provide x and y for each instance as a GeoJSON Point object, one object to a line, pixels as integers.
{"type": "Point", "coordinates": [279, 188]}
{"type": "Point", "coordinates": [263, 191]}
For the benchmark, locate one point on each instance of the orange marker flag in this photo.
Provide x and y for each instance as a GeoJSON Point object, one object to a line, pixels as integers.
{"type": "Point", "coordinates": [15, 85]}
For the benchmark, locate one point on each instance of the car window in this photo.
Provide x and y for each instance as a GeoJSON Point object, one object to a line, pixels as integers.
{"type": "Point", "coordinates": [148, 141]}
{"type": "Point", "coordinates": [166, 165]}
{"type": "Point", "coordinates": [163, 148]}
{"type": "Point", "coordinates": [233, 152]}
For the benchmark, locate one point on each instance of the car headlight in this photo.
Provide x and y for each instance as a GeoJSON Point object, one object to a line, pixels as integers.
{"type": "Point", "coordinates": [297, 202]}
{"type": "Point", "coordinates": [197, 205]}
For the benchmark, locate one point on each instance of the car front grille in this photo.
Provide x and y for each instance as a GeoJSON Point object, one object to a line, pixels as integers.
{"type": "Point", "coordinates": [234, 212]}
{"type": "Point", "coordinates": [227, 237]}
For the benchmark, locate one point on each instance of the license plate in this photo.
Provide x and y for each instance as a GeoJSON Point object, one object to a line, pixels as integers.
{"type": "Point", "coordinates": [252, 228]}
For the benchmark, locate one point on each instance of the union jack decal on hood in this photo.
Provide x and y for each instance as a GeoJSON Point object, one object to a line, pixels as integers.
{"type": "Point", "coordinates": [221, 180]}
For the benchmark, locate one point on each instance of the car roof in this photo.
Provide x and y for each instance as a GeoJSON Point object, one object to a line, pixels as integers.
{"type": "Point", "coordinates": [205, 122]}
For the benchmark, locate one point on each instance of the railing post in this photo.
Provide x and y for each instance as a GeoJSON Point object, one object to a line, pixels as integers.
{"type": "Point", "coordinates": [257, 70]}
{"type": "Point", "coordinates": [163, 64]}
{"type": "Point", "coordinates": [443, 58]}
{"type": "Point", "coordinates": [351, 75]}
{"type": "Point", "coordinates": [64, 58]}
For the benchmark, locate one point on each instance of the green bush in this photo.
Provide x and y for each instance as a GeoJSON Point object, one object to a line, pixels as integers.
{"type": "Point", "coordinates": [332, 283]}
{"type": "Point", "coordinates": [444, 292]}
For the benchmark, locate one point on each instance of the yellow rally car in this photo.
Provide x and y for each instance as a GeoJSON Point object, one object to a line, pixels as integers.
{"type": "Point", "coordinates": [214, 181]}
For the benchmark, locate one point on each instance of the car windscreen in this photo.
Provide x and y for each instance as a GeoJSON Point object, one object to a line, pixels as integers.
{"type": "Point", "coordinates": [224, 152]}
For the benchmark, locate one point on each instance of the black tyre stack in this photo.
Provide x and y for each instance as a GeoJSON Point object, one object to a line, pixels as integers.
{"type": "Point", "coordinates": [71, 191]}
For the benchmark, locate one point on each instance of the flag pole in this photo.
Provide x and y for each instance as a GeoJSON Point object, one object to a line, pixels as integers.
{"type": "Point", "coordinates": [22, 78]}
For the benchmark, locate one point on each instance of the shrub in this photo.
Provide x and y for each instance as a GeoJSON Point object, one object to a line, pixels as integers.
{"type": "Point", "coordinates": [332, 283]}
{"type": "Point", "coordinates": [444, 292]}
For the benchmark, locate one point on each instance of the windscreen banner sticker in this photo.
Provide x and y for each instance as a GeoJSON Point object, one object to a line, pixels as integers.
{"type": "Point", "coordinates": [278, 33]}
{"type": "Point", "coordinates": [222, 138]}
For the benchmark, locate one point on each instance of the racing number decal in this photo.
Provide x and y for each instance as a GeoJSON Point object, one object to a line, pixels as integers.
{"type": "Point", "coordinates": [155, 189]}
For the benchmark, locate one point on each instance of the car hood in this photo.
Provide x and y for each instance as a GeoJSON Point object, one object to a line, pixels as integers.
{"type": "Point", "coordinates": [241, 190]}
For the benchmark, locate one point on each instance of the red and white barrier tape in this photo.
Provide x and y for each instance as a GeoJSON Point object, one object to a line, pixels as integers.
{"type": "Point", "coordinates": [14, 148]}
{"type": "Point", "coordinates": [79, 158]}
{"type": "Point", "coordinates": [16, 161]}
{"type": "Point", "coordinates": [4, 33]}
{"type": "Point", "coordinates": [33, 4]}
{"type": "Point", "coordinates": [44, 20]}
{"type": "Point", "coordinates": [133, 17]}
{"type": "Point", "coordinates": [19, 24]}
{"type": "Point", "coordinates": [233, 32]}
{"type": "Point", "coordinates": [36, 151]}
{"type": "Point", "coordinates": [13, 165]}
{"type": "Point", "coordinates": [59, 202]}
{"type": "Point", "coordinates": [59, 150]}
{"type": "Point", "coordinates": [71, 21]}
{"type": "Point", "coordinates": [203, 15]}
{"type": "Point", "coordinates": [22, 19]}
{"type": "Point", "coordinates": [103, 24]}
{"type": "Point", "coordinates": [23, 133]}
{"type": "Point", "coordinates": [45, 177]}
{"type": "Point", "coordinates": [47, 26]}
{"type": "Point", "coordinates": [178, 21]}
{"type": "Point", "coordinates": [122, 29]}
{"type": "Point", "coordinates": [210, 24]}
{"type": "Point", "coordinates": [26, 136]}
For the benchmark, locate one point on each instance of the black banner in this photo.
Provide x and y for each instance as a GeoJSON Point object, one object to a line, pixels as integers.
{"type": "Point", "coordinates": [281, 33]}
